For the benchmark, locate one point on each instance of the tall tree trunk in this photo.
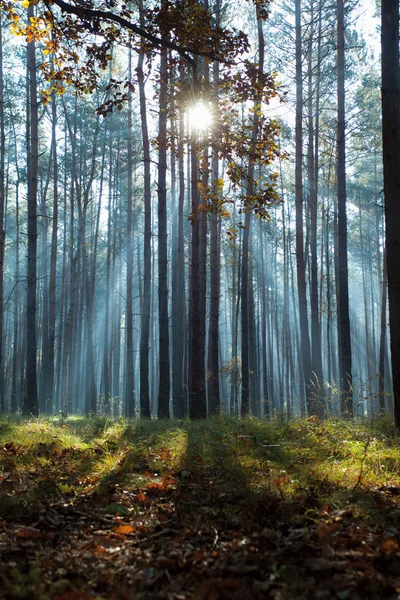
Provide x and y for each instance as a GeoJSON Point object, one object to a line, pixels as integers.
{"type": "Point", "coordinates": [15, 398]}
{"type": "Point", "coordinates": [53, 265]}
{"type": "Point", "coordinates": [2, 231]}
{"type": "Point", "coordinates": [107, 340]}
{"type": "Point", "coordinates": [316, 354]}
{"type": "Point", "coordinates": [31, 405]}
{"type": "Point", "coordinates": [343, 297]}
{"type": "Point", "coordinates": [391, 178]}
{"type": "Point", "coordinates": [264, 292]}
{"type": "Point", "coordinates": [246, 281]}
{"type": "Point", "coordinates": [301, 271]}
{"type": "Point", "coordinates": [145, 316]}
{"type": "Point", "coordinates": [129, 370]}
{"type": "Point", "coordinates": [214, 402]}
{"type": "Point", "coordinates": [178, 287]}
{"type": "Point", "coordinates": [197, 380]}
{"type": "Point", "coordinates": [163, 323]}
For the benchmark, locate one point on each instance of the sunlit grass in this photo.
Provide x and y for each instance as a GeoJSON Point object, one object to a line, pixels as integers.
{"type": "Point", "coordinates": [80, 457]}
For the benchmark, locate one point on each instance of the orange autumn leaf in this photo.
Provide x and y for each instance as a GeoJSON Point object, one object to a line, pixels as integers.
{"type": "Point", "coordinates": [389, 546]}
{"type": "Point", "coordinates": [124, 529]}
{"type": "Point", "coordinates": [155, 486]}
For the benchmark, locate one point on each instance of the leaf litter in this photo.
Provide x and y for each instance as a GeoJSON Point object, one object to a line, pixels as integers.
{"type": "Point", "coordinates": [205, 511]}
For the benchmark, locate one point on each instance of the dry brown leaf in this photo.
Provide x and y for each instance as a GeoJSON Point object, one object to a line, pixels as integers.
{"type": "Point", "coordinates": [325, 530]}
{"type": "Point", "coordinates": [141, 497]}
{"type": "Point", "coordinates": [389, 546]}
{"type": "Point", "coordinates": [29, 533]}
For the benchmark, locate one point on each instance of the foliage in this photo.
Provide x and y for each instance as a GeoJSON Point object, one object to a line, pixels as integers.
{"type": "Point", "coordinates": [80, 42]}
{"type": "Point", "coordinates": [239, 507]}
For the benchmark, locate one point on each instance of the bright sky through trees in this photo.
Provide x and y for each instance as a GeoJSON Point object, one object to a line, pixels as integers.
{"type": "Point", "coordinates": [200, 117]}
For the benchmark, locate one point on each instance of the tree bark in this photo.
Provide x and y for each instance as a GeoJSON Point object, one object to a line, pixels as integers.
{"type": "Point", "coordinates": [31, 405]}
{"type": "Point", "coordinates": [163, 323]}
{"type": "Point", "coordinates": [391, 178]}
{"type": "Point", "coordinates": [300, 261]}
{"type": "Point", "coordinates": [346, 397]}
{"type": "Point", "coordinates": [145, 316]}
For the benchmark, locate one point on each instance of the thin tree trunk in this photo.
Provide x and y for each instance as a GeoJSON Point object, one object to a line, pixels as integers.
{"type": "Point", "coordinates": [382, 341]}
{"type": "Point", "coordinates": [31, 406]}
{"type": "Point", "coordinates": [343, 307]}
{"type": "Point", "coordinates": [145, 316]}
{"type": "Point", "coordinates": [301, 272]}
{"type": "Point", "coordinates": [2, 231]}
{"type": "Point", "coordinates": [129, 371]}
{"type": "Point", "coordinates": [164, 376]}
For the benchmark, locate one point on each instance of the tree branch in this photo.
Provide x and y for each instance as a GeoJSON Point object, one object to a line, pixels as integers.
{"type": "Point", "coordinates": [89, 13]}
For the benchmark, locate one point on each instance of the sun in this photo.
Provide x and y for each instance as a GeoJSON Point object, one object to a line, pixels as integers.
{"type": "Point", "coordinates": [200, 117]}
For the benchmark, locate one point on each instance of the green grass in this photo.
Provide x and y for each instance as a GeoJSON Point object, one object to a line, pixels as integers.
{"type": "Point", "coordinates": [41, 459]}
{"type": "Point", "coordinates": [221, 493]}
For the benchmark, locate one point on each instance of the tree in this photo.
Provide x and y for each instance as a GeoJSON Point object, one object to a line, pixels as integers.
{"type": "Point", "coordinates": [343, 283]}
{"type": "Point", "coordinates": [2, 231]}
{"type": "Point", "coordinates": [31, 405]}
{"type": "Point", "coordinates": [300, 261]}
{"type": "Point", "coordinates": [164, 379]}
{"type": "Point", "coordinates": [391, 177]}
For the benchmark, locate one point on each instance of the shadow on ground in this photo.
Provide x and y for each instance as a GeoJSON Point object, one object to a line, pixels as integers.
{"type": "Point", "coordinates": [188, 510]}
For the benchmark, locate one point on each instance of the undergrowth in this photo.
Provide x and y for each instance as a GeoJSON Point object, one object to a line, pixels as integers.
{"type": "Point", "coordinates": [222, 508]}
{"type": "Point", "coordinates": [41, 459]}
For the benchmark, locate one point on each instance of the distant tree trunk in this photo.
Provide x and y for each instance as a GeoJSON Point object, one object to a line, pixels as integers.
{"type": "Point", "coordinates": [63, 295]}
{"type": "Point", "coordinates": [264, 316]}
{"type": "Point", "coordinates": [2, 232]}
{"type": "Point", "coordinates": [43, 306]}
{"type": "Point", "coordinates": [197, 381]}
{"type": "Point", "coordinates": [236, 277]}
{"type": "Point", "coordinates": [31, 405]}
{"type": "Point", "coordinates": [343, 297]}
{"type": "Point", "coordinates": [253, 362]}
{"type": "Point", "coordinates": [391, 178]}
{"type": "Point", "coordinates": [301, 272]}
{"type": "Point", "coordinates": [214, 402]}
{"type": "Point", "coordinates": [316, 354]}
{"type": "Point", "coordinates": [163, 323]}
{"type": "Point", "coordinates": [145, 316]}
{"type": "Point", "coordinates": [246, 281]}
{"type": "Point", "coordinates": [129, 370]}
{"type": "Point", "coordinates": [107, 337]}
{"type": "Point", "coordinates": [382, 341]}
{"type": "Point", "coordinates": [53, 266]}
{"type": "Point", "coordinates": [15, 396]}
{"type": "Point", "coordinates": [178, 288]}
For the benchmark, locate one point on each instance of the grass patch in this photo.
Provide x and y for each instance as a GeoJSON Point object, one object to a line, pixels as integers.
{"type": "Point", "coordinates": [42, 458]}
{"type": "Point", "coordinates": [235, 498]}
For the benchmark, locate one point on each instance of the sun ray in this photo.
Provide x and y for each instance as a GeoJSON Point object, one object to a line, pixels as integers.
{"type": "Point", "coordinates": [200, 117]}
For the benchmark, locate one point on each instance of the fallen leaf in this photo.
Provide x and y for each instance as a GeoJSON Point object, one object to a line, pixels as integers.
{"type": "Point", "coordinates": [141, 497]}
{"type": "Point", "coordinates": [197, 556]}
{"type": "Point", "coordinates": [29, 533]}
{"type": "Point", "coordinates": [325, 530]}
{"type": "Point", "coordinates": [124, 529]}
{"type": "Point", "coordinates": [389, 546]}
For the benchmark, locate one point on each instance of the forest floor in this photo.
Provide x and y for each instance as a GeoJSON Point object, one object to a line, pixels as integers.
{"type": "Point", "coordinates": [209, 510]}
